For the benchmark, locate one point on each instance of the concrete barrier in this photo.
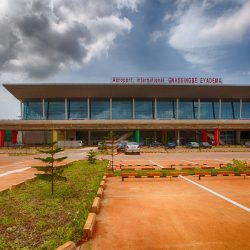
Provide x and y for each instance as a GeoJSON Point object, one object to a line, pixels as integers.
{"type": "Point", "coordinates": [96, 205]}
{"type": "Point", "coordinates": [99, 192]}
{"type": "Point", "coordinates": [102, 184]}
{"type": "Point", "coordinates": [89, 225]}
{"type": "Point", "coordinates": [70, 245]}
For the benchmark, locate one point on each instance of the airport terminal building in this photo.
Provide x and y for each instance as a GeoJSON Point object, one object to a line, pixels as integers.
{"type": "Point", "coordinates": [142, 111]}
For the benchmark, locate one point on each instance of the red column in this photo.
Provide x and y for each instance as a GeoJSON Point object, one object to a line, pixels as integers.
{"type": "Point", "coordinates": [204, 136]}
{"type": "Point", "coordinates": [216, 137]}
{"type": "Point", "coordinates": [14, 137]}
{"type": "Point", "coordinates": [2, 133]}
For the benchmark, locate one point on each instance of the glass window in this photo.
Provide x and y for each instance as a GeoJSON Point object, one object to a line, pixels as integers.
{"type": "Point", "coordinates": [144, 109]}
{"type": "Point", "coordinates": [209, 109]}
{"type": "Point", "coordinates": [230, 109]}
{"type": "Point", "coordinates": [77, 109]}
{"type": "Point", "coordinates": [122, 109]}
{"type": "Point", "coordinates": [99, 109]}
{"type": "Point", "coordinates": [245, 109]}
{"type": "Point", "coordinates": [188, 109]}
{"type": "Point", "coordinates": [33, 110]}
{"type": "Point", "coordinates": [166, 109]}
{"type": "Point", "coordinates": [55, 109]}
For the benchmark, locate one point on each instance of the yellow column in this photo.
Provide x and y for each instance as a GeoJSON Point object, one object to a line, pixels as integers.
{"type": "Point", "coordinates": [55, 135]}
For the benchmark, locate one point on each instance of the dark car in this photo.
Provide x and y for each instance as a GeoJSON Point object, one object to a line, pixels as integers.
{"type": "Point", "coordinates": [156, 144]}
{"type": "Point", "coordinates": [192, 144]}
{"type": "Point", "coordinates": [121, 147]}
{"type": "Point", "coordinates": [205, 145]}
{"type": "Point", "coordinates": [171, 145]}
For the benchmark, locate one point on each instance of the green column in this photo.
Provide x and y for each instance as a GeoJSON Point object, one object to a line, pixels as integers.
{"type": "Point", "coordinates": [136, 135]}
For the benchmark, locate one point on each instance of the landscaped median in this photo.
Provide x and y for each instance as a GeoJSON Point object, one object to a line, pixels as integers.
{"type": "Point", "coordinates": [32, 218]}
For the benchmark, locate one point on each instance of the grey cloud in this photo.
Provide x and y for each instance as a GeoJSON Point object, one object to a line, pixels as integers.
{"type": "Point", "coordinates": [40, 38]}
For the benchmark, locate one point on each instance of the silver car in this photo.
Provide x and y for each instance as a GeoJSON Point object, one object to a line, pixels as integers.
{"type": "Point", "coordinates": [132, 147]}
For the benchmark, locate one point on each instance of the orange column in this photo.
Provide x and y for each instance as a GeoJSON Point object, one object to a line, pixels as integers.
{"type": "Point", "coordinates": [204, 136]}
{"type": "Point", "coordinates": [216, 137]}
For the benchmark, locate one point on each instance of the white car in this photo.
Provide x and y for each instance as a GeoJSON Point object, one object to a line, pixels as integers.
{"type": "Point", "coordinates": [132, 147]}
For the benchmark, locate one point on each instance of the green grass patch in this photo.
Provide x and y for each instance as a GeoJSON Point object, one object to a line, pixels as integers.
{"type": "Point", "coordinates": [32, 218]}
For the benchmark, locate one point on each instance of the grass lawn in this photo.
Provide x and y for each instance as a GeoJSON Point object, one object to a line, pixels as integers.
{"type": "Point", "coordinates": [31, 218]}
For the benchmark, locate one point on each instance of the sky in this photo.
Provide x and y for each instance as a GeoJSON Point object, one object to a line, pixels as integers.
{"type": "Point", "coordinates": [79, 41]}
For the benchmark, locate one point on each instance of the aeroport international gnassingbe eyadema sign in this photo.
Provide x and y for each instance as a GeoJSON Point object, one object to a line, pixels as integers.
{"type": "Point", "coordinates": [167, 80]}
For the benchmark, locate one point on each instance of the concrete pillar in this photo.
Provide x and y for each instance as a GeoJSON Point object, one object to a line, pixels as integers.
{"type": "Point", "coordinates": [155, 109]}
{"type": "Point", "coordinates": [2, 133]}
{"type": "Point", "coordinates": [178, 138]}
{"type": "Point", "coordinates": [14, 137]}
{"type": "Point", "coordinates": [199, 109]}
{"type": "Point", "coordinates": [43, 107]}
{"type": "Point", "coordinates": [110, 108]}
{"type": "Point", "coordinates": [240, 108]}
{"type": "Point", "coordinates": [66, 108]}
{"type": "Point", "coordinates": [238, 137]}
{"type": "Point", "coordinates": [133, 108]}
{"type": "Point", "coordinates": [136, 135]}
{"type": "Point", "coordinates": [88, 107]}
{"type": "Point", "coordinates": [89, 138]}
{"type": "Point", "coordinates": [204, 136]}
{"type": "Point", "coordinates": [55, 135]}
{"type": "Point", "coordinates": [216, 137]}
{"type": "Point", "coordinates": [177, 108]}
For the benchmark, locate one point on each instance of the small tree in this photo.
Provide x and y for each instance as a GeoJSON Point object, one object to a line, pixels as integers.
{"type": "Point", "coordinates": [91, 157]}
{"type": "Point", "coordinates": [51, 171]}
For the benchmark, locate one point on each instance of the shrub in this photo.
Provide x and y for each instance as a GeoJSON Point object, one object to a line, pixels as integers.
{"type": "Point", "coordinates": [91, 157]}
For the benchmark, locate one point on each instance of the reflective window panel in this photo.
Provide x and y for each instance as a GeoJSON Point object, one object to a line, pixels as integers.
{"type": "Point", "coordinates": [99, 109]}
{"type": "Point", "coordinates": [122, 109]}
{"type": "Point", "coordinates": [188, 109]}
{"type": "Point", "coordinates": [55, 109]}
{"type": "Point", "coordinates": [230, 109]}
{"type": "Point", "coordinates": [144, 109]}
{"type": "Point", "coordinates": [209, 109]}
{"type": "Point", "coordinates": [77, 109]}
{"type": "Point", "coordinates": [245, 109]}
{"type": "Point", "coordinates": [33, 110]}
{"type": "Point", "coordinates": [166, 109]}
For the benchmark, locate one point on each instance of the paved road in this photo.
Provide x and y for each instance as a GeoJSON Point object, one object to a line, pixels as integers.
{"type": "Point", "coordinates": [16, 169]}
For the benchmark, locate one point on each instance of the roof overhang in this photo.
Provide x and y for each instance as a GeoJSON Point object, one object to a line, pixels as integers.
{"type": "Point", "coordinates": [37, 91]}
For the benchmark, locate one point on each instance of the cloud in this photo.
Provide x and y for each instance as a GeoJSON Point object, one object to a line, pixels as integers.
{"type": "Point", "coordinates": [200, 34]}
{"type": "Point", "coordinates": [40, 38]}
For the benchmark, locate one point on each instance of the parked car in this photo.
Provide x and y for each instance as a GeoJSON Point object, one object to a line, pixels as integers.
{"type": "Point", "coordinates": [205, 145]}
{"type": "Point", "coordinates": [121, 146]}
{"type": "Point", "coordinates": [155, 144]}
{"type": "Point", "coordinates": [171, 145]}
{"type": "Point", "coordinates": [132, 147]}
{"type": "Point", "coordinates": [192, 144]}
{"type": "Point", "coordinates": [247, 144]}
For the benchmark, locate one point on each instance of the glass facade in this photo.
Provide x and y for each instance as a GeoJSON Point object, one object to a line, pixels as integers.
{"type": "Point", "coordinates": [55, 109]}
{"type": "Point", "coordinates": [144, 109]}
{"type": "Point", "coordinates": [188, 109]}
{"type": "Point", "coordinates": [245, 109]}
{"type": "Point", "coordinates": [77, 109]}
{"type": "Point", "coordinates": [122, 109]}
{"type": "Point", "coordinates": [209, 109]}
{"type": "Point", "coordinates": [33, 110]}
{"type": "Point", "coordinates": [100, 109]}
{"type": "Point", "coordinates": [230, 109]}
{"type": "Point", "coordinates": [166, 109]}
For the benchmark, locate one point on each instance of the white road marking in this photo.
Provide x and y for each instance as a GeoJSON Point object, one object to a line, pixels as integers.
{"type": "Point", "coordinates": [20, 162]}
{"type": "Point", "coordinates": [14, 171]}
{"type": "Point", "coordinates": [217, 194]}
{"type": "Point", "coordinates": [189, 162]}
{"type": "Point", "coordinates": [156, 164]}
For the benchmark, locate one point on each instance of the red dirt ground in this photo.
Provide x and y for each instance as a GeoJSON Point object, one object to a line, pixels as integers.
{"type": "Point", "coordinates": [162, 214]}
